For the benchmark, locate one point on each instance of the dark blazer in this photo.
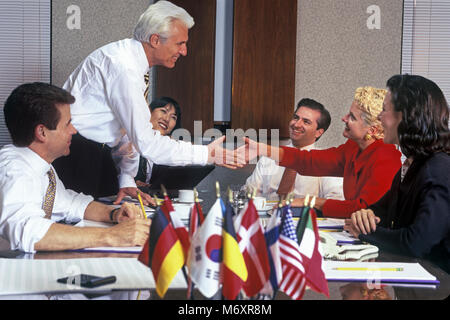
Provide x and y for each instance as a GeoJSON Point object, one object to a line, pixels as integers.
{"type": "Point", "coordinates": [415, 213]}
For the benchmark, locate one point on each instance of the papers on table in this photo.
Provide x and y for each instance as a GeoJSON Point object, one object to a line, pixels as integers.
{"type": "Point", "coordinates": [23, 276]}
{"type": "Point", "coordinates": [330, 223]}
{"type": "Point", "coordinates": [327, 223]}
{"type": "Point", "coordinates": [109, 201]}
{"type": "Point", "coordinates": [342, 237]}
{"type": "Point", "coordinates": [96, 224]}
{"type": "Point", "coordinates": [382, 272]}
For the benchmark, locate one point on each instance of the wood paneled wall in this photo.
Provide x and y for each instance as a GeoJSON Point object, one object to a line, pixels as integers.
{"type": "Point", "coordinates": [263, 89]}
{"type": "Point", "coordinates": [191, 81]}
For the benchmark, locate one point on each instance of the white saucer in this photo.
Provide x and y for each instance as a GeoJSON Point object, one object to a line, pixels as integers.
{"type": "Point", "coordinates": [266, 208]}
{"type": "Point", "coordinates": [176, 200]}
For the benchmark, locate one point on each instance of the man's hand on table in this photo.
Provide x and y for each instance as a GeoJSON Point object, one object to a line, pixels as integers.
{"type": "Point", "coordinates": [147, 200]}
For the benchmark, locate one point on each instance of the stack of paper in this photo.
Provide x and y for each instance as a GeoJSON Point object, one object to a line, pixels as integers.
{"type": "Point", "coordinates": [96, 224]}
{"type": "Point", "coordinates": [23, 276]}
{"type": "Point", "coordinates": [109, 201]}
{"type": "Point", "coordinates": [382, 272]}
{"type": "Point", "coordinates": [330, 223]}
{"type": "Point", "coordinates": [342, 237]}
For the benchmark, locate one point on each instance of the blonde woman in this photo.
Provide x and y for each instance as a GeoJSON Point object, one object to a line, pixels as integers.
{"type": "Point", "coordinates": [366, 163]}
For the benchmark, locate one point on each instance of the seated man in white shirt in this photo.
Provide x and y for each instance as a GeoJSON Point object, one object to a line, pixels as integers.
{"type": "Point", "coordinates": [33, 199]}
{"type": "Point", "coordinates": [111, 109]}
{"type": "Point", "coordinates": [308, 124]}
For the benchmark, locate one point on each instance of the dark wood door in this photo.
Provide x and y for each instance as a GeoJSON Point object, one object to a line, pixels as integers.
{"type": "Point", "coordinates": [191, 81]}
{"type": "Point", "coordinates": [263, 89]}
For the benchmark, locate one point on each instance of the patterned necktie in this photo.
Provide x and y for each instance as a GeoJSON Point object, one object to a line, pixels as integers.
{"type": "Point", "coordinates": [147, 85]}
{"type": "Point", "coordinates": [49, 199]}
{"type": "Point", "coordinates": [287, 182]}
{"type": "Point", "coordinates": [142, 171]}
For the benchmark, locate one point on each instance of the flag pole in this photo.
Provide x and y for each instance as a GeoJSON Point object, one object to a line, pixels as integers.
{"type": "Point", "coordinates": [221, 251]}
{"type": "Point", "coordinates": [191, 284]}
{"type": "Point", "coordinates": [287, 200]}
{"type": "Point", "coordinates": [303, 219]}
{"type": "Point", "coordinates": [164, 190]}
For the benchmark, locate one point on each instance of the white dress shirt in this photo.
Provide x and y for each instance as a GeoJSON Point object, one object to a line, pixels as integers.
{"type": "Point", "coordinates": [109, 90]}
{"type": "Point", "coordinates": [23, 184]}
{"type": "Point", "coordinates": [267, 176]}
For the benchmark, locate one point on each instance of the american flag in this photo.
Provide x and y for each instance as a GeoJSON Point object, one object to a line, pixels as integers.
{"type": "Point", "coordinates": [293, 282]}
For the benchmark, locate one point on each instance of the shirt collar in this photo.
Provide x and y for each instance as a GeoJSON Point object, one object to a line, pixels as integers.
{"type": "Point", "coordinates": [307, 148]}
{"type": "Point", "coordinates": [405, 167]}
{"type": "Point", "coordinates": [39, 165]}
{"type": "Point", "coordinates": [141, 58]}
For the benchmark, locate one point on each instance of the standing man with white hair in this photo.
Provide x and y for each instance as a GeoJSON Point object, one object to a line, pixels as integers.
{"type": "Point", "coordinates": [110, 110]}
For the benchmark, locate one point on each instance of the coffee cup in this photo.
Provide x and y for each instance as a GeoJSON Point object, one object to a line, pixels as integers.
{"type": "Point", "coordinates": [186, 196]}
{"type": "Point", "coordinates": [259, 202]}
{"type": "Point", "coordinates": [182, 210]}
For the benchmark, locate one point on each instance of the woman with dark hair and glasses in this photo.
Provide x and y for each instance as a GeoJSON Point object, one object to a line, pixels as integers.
{"type": "Point", "coordinates": [165, 117]}
{"type": "Point", "coordinates": [413, 218]}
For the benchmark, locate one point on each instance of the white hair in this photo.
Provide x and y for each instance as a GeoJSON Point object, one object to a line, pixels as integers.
{"type": "Point", "coordinates": [157, 19]}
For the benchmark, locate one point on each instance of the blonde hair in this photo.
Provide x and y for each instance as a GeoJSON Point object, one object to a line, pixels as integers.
{"type": "Point", "coordinates": [370, 101]}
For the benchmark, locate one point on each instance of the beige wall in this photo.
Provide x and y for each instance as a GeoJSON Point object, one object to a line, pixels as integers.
{"type": "Point", "coordinates": [336, 53]}
{"type": "Point", "coordinates": [102, 21]}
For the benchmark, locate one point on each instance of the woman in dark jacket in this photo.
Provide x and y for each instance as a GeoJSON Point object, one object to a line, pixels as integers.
{"type": "Point", "coordinates": [413, 217]}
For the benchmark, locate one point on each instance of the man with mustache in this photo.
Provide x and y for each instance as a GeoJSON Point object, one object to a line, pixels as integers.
{"type": "Point", "coordinates": [111, 109]}
{"type": "Point", "coordinates": [309, 122]}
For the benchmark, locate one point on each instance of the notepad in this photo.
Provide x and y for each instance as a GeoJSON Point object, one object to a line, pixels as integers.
{"type": "Point", "coordinates": [24, 276]}
{"type": "Point", "coordinates": [330, 223]}
{"type": "Point", "coordinates": [342, 237]}
{"type": "Point", "coordinates": [109, 201]}
{"type": "Point", "coordinates": [383, 272]}
{"type": "Point", "coordinates": [97, 224]}
{"type": "Point", "coordinates": [327, 223]}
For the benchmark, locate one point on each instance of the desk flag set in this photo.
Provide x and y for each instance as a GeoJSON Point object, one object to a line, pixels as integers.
{"type": "Point", "coordinates": [231, 255]}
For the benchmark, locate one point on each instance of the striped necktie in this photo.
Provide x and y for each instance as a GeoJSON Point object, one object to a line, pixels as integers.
{"type": "Point", "coordinates": [287, 182]}
{"type": "Point", "coordinates": [147, 85]}
{"type": "Point", "coordinates": [49, 199]}
{"type": "Point", "coordinates": [142, 171]}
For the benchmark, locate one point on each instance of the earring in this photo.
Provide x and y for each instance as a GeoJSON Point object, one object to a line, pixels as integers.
{"type": "Point", "coordinates": [367, 137]}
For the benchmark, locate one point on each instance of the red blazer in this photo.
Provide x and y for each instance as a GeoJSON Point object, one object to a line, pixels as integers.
{"type": "Point", "coordinates": [368, 174]}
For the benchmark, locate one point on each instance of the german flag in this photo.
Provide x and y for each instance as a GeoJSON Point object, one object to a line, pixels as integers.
{"type": "Point", "coordinates": [162, 252]}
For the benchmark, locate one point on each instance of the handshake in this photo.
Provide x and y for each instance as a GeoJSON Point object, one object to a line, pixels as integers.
{"type": "Point", "coordinates": [241, 156]}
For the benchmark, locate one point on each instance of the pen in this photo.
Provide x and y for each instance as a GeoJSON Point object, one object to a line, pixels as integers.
{"type": "Point", "coordinates": [142, 205]}
{"type": "Point", "coordinates": [368, 269]}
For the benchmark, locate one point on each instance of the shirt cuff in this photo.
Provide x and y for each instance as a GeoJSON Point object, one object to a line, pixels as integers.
{"type": "Point", "coordinates": [83, 201]}
{"type": "Point", "coordinates": [200, 155]}
{"type": "Point", "coordinates": [126, 181]}
{"type": "Point", "coordinates": [34, 230]}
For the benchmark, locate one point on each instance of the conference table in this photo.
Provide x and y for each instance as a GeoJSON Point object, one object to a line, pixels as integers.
{"type": "Point", "coordinates": [338, 290]}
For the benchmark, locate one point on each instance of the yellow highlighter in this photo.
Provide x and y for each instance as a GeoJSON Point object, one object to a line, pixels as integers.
{"type": "Point", "coordinates": [142, 205]}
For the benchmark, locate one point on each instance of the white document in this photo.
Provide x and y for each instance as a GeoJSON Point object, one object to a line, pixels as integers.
{"type": "Point", "coordinates": [97, 224]}
{"type": "Point", "coordinates": [24, 276]}
{"type": "Point", "coordinates": [330, 223]}
{"type": "Point", "coordinates": [383, 272]}
{"type": "Point", "coordinates": [109, 200]}
{"type": "Point", "coordinates": [343, 237]}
